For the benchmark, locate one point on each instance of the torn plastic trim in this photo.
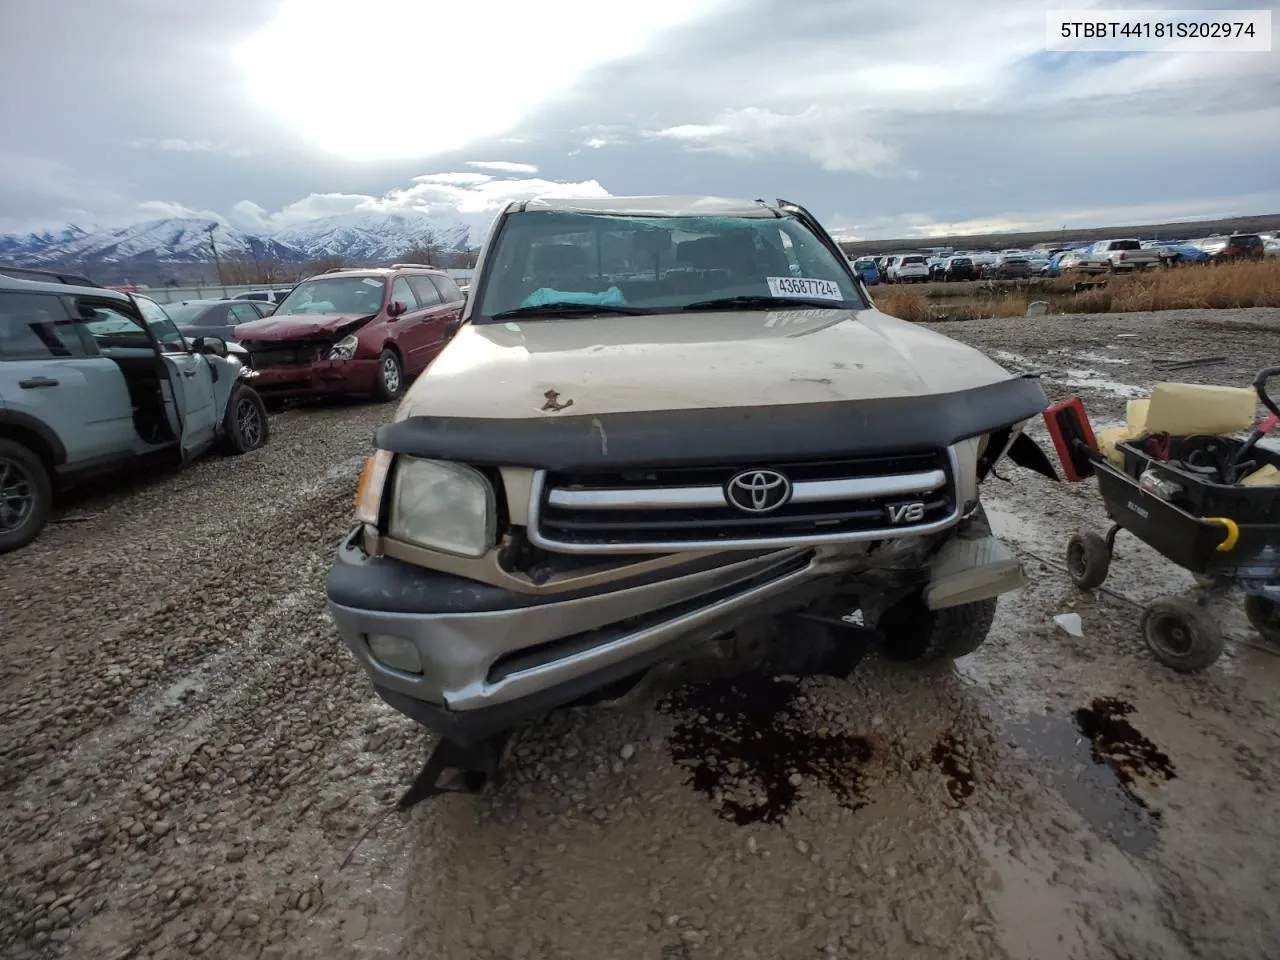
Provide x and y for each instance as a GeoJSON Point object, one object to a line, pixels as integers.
{"type": "Point", "coordinates": [710, 437]}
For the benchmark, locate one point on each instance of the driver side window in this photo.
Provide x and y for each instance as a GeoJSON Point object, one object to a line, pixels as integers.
{"type": "Point", "coordinates": [162, 328]}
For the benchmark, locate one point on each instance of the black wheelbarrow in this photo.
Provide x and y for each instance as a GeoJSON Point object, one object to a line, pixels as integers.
{"type": "Point", "coordinates": [1183, 497]}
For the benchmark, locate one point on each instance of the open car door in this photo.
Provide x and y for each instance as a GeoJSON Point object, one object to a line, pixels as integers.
{"type": "Point", "coordinates": [190, 400]}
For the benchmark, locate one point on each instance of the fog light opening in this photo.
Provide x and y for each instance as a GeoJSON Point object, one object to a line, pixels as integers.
{"type": "Point", "coordinates": [395, 652]}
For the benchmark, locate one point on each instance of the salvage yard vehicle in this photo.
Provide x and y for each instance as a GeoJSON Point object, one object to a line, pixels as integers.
{"type": "Point", "coordinates": [911, 268]}
{"type": "Point", "coordinates": [866, 269]}
{"type": "Point", "coordinates": [362, 331]}
{"type": "Point", "coordinates": [1124, 255]}
{"type": "Point", "coordinates": [216, 318]}
{"type": "Point", "coordinates": [94, 381]}
{"type": "Point", "coordinates": [667, 421]}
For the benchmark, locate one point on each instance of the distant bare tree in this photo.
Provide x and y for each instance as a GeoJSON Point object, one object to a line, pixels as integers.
{"type": "Point", "coordinates": [465, 259]}
{"type": "Point", "coordinates": [245, 269]}
{"type": "Point", "coordinates": [320, 265]}
{"type": "Point", "coordinates": [425, 250]}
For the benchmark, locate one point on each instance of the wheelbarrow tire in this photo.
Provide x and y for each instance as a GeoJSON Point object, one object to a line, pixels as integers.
{"type": "Point", "coordinates": [1181, 634]}
{"type": "Point", "coordinates": [1088, 560]}
{"type": "Point", "coordinates": [1264, 614]}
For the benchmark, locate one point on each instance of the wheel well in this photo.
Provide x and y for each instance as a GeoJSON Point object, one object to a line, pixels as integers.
{"type": "Point", "coordinates": [391, 345]}
{"type": "Point", "coordinates": [30, 439]}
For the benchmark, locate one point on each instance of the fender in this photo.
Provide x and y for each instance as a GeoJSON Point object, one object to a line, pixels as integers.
{"type": "Point", "coordinates": [25, 421]}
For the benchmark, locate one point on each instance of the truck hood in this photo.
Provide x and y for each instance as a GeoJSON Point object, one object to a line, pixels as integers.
{"type": "Point", "coordinates": [617, 364]}
{"type": "Point", "coordinates": [318, 326]}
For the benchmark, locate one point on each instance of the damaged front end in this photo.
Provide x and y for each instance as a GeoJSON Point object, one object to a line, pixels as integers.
{"type": "Point", "coordinates": [307, 356]}
{"type": "Point", "coordinates": [476, 593]}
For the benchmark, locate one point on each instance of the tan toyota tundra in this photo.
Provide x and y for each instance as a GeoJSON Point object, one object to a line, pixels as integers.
{"type": "Point", "coordinates": [662, 422]}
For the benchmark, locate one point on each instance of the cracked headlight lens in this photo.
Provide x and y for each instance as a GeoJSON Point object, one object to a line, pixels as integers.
{"type": "Point", "coordinates": [442, 506]}
{"type": "Point", "coordinates": [344, 349]}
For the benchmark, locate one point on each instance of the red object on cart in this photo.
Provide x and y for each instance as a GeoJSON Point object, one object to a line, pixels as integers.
{"type": "Point", "coordinates": [1069, 427]}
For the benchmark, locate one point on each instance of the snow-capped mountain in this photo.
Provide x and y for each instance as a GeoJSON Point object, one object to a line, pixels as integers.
{"type": "Point", "coordinates": [360, 238]}
{"type": "Point", "coordinates": [372, 236]}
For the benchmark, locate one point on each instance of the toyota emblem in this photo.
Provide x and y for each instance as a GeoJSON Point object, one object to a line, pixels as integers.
{"type": "Point", "coordinates": [758, 491]}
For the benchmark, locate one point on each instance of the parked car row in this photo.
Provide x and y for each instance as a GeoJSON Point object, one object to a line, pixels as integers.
{"type": "Point", "coordinates": [1116, 255]}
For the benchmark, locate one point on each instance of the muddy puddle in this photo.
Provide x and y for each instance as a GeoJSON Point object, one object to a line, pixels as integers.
{"type": "Point", "coordinates": [1097, 759]}
{"type": "Point", "coordinates": [744, 744]}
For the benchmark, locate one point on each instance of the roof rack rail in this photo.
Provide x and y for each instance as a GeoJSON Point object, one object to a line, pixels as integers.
{"type": "Point", "coordinates": [420, 266]}
{"type": "Point", "coordinates": [337, 269]}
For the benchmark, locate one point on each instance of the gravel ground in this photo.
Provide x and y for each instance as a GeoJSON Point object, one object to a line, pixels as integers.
{"type": "Point", "coordinates": [191, 761]}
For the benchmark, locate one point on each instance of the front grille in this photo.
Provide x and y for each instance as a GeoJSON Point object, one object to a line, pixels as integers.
{"type": "Point", "coordinates": [849, 499]}
{"type": "Point", "coordinates": [284, 354]}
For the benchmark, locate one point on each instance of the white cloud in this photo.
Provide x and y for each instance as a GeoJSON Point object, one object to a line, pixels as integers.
{"type": "Point", "coordinates": [472, 198]}
{"type": "Point", "coordinates": [179, 145]}
{"type": "Point", "coordinates": [832, 138]}
{"type": "Point", "coordinates": [503, 166]}
{"type": "Point", "coordinates": [165, 209]}
{"type": "Point", "coordinates": [300, 67]}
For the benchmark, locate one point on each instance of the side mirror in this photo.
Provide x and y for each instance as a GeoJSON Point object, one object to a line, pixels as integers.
{"type": "Point", "coordinates": [211, 345]}
{"type": "Point", "coordinates": [396, 308]}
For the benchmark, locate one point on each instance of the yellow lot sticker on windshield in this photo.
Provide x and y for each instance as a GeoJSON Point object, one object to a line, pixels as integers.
{"type": "Point", "coordinates": [804, 287]}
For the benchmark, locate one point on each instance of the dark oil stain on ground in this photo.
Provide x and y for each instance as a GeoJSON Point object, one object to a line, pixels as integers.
{"type": "Point", "coordinates": [1095, 758]}
{"type": "Point", "coordinates": [740, 735]}
{"type": "Point", "coordinates": [952, 757]}
{"type": "Point", "coordinates": [1117, 744]}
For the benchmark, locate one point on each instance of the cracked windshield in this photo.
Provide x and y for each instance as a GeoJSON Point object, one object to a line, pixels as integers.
{"type": "Point", "coordinates": [694, 480]}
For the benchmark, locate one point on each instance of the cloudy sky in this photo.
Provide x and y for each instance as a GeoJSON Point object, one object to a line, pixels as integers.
{"type": "Point", "coordinates": [887, 118]}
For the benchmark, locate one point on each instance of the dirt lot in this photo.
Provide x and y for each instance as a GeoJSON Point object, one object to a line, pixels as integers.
{"type": "Point", "coordinates": [189, 755]}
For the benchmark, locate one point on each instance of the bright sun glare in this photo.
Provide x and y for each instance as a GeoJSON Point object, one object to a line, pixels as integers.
{"type": "Point", "coordinates": [399, 79]}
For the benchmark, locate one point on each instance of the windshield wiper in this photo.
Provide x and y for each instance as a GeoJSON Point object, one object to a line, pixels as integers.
{"type": "Point", "coordinates": [763, 303]}
{"type": "Point", "coordinates": [566, 308]}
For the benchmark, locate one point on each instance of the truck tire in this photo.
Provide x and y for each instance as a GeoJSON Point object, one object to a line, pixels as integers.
{"type": "Point", "coordinates": [244, 424]}
{"type": "Point", "coordinates": [26, 495]}
{"type": "Point", "coordinates": [914, 632]}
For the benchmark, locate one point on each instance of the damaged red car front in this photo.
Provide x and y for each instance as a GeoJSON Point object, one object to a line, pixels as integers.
{"type": "Point", "coordinates": [352, 331]}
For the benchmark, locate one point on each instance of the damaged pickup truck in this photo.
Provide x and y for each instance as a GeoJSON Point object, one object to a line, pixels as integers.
{"type": "Point", "coordinates": [667, 425]}
{"type": "Point", "coordinates": [362, 331]}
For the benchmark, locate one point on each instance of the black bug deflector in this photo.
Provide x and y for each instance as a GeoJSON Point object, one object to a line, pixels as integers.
{"type": "Point", "coordinates": [720, 435]}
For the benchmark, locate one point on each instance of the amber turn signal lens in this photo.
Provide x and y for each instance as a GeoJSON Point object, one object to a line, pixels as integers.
{"type": "Point", "coordinates": [369, 493]}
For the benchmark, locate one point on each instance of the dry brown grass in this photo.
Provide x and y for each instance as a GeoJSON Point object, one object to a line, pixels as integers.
{"type": "Point", "coordinates": [1245, 284]}
{"type": "Point", "coordinates": [904, 306]}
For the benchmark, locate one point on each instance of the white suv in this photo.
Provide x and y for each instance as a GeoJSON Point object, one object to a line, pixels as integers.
{"type": "Point", "coordinates": [910, 269]}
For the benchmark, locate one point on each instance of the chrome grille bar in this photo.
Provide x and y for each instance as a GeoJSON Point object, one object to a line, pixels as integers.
{"type": "Point", "coordinates": [805, 491]}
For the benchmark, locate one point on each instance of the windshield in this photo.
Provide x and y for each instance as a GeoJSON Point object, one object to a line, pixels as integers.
{"type": "Point", "coordinates": [864, 264]}
{"type": "Point", "coordinates": [186, 314]}
{"type": "Point", "coordinates": [660, 264]}
{"type": "Point", "coordinates": [1125, 245]}
{"type": "Point", "coordinates": [353, 295]}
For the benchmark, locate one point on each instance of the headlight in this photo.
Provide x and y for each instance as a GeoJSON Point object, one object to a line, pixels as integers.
{"type": "Point", "coordinates": [443, 506]}
{"type": "Point", "coordinates": [344, 349]}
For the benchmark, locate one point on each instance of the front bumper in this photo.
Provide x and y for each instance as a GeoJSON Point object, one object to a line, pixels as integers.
{"type": "Point", "coordinates": [318, 377]}
{"type": "Point", "coordinates": [493, 658]}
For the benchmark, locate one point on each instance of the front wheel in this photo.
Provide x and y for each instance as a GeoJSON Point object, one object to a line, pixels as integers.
{"type": "Point", "coordinates": [1088, 560]}
{"type": "Point", "coordinates": [390, 381]}
{"type": "Point", "coordinates": [914, 632]}
{"type": "Point", "coordinates": [1264, 614]}
{"type": "Point", "coordinates": [244, 425]}
{"type": "Point", "coordinates": [26, 495]}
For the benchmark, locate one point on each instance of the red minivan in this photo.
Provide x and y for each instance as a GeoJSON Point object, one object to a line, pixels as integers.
{"type": "Point", "coordinates": [360, 330]}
